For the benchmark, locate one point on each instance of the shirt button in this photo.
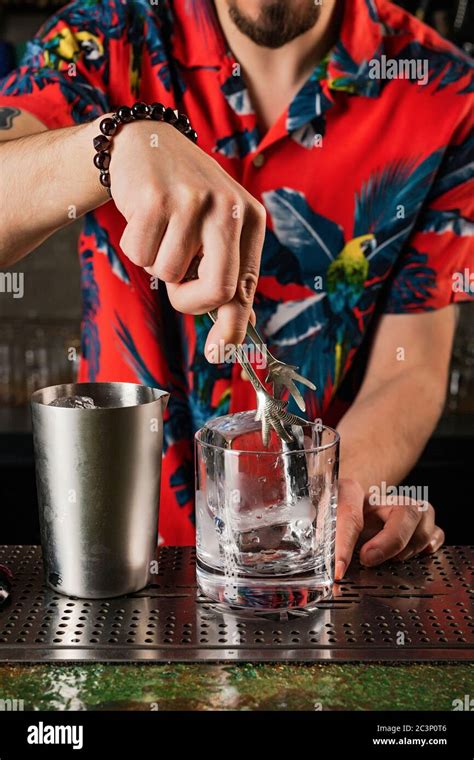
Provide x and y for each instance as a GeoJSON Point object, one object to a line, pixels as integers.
{"type": "Point", "coordinates": [258, 160]}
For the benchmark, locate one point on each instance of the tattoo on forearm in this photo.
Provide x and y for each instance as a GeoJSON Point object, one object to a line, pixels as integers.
{"type": "Point", "coordinates": [7, 115]}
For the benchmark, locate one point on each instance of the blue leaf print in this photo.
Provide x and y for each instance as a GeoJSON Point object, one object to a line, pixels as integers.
{"type": "Point", "coordinates": [144, 33]}
{"type": "Point", "coordinates": [294, 321]}
{"type": "Point", "coordinates": [437, 221]}
{"type": "Point", "coordinates": [177, 424]}
{"type": "Point", "coordinates": [106, 16]}
{"type": "Point", "coordinates": [400, 186]}
{"type": "Point", "coordinates": [237, 95]}
{"type": "Point", "coordinates": [343, 60]}
{"type": "Point", "coordinates": [308, 104]}
{"type": "Point", "coordinates": [91, 227]}
{"type": "Point", "coordinates": [443, 65]}
{"type": "Point", "coordinates": [372, 10]}
{"type": "Point", "coordinates": [355, 76]}
{"type": "Point", "coordinates": [412, 285]}
{"type": "Point", "coordinates": [90, 344]}
{"type": "Point", "coordinates": [238, 144]}
{"type": "Point", "coordinates": [400, 183]}
{"type": "Point", "coordinates": [301, 337]}
{"type": "Point", "coordinates": [468, 88]}
{"type": "Point", "coordinates": [279, 262]}
{"type": "Point", "coordinates": [308, 135]}
{"type": "Point", "coordinates": [132, 355]}
{"type": "Point", "coordinates": [181, 481]}
{"type": "Point", "coordinates": [86, 102]}
{"type": "Point", "coordinates": [313, 239]}
{"type": "Point", "coordinates": [205, 376]}
{"type": "Point", "coordinates": [456, 167]}
{"type": "Point", "coordinates": [94, 20]}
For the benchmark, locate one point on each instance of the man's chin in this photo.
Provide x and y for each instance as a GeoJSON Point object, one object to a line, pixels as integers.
{"type": "Point", "coordinates": [274, 23]}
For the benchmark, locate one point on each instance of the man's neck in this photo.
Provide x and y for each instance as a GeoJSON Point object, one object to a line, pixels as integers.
{"type": "Point", "coordinates": [274, 76]}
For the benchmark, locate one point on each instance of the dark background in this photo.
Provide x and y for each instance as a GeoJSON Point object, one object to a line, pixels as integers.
{"type": "Point", "coordinates": [38, 331]}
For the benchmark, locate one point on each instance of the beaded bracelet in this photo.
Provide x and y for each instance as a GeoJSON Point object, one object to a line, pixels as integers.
{"type": "Point", "coordinates": [126, 114]}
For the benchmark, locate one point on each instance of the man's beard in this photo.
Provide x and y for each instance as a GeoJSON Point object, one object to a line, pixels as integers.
{"type": "Point", "coordinates": [277, 23]}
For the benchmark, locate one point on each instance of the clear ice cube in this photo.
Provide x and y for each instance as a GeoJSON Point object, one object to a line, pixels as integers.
{"type": "Point", "coordinates": [74, 402]}
{"type": "Point", "coordinates": [222, 431]}
{"type": "Point", "coordinates": [240, 431]}
{"type": "Point", "coordinates": [258, 503]}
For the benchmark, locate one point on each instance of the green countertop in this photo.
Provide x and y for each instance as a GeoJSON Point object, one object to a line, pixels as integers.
{"type": "Point", "coordinates": [238, 687]}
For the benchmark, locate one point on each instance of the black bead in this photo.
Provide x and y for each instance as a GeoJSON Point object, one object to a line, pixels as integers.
{"type": "Point", "coordinates": [170, 116]}
{"type": "Point", "coordinates": [105, 179]}
{"type": "Point", "coordinates": [108, 126]}
{"type": "Point", "coordinates": [140, 110]}
{"type": "Point", "coordinates": [192, 135]}
{"type": "Point", "coordinates": [182, 123]}
{"type": "Point", "coordinates": [157, 111]}
{"type": "Point", "coordinates": [124, 113]}
{"type": "Point", "coordinates": [101, 142]}
{"type": "Point", "coordinates": [102, 160]}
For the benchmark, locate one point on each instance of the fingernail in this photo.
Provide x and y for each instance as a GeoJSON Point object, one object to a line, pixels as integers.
{"type": "Point", "coordinates": [340, 569]}
{"type": "Point", "coordinates": [373, 557]}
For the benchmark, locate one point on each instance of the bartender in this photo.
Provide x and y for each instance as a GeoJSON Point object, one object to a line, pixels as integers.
{"type": "Point", "coordinates": [330, 190]}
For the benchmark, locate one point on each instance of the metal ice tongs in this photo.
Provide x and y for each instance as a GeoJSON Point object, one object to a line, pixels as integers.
{"type": "Point", "coordinates": [271, 411]}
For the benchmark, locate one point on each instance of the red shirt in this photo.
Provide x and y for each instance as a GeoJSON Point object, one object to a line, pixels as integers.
{"type": "Point", "coordinates": [367, 180]}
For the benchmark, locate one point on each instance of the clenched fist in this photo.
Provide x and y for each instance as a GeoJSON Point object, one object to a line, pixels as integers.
{"type": "Point", "coordinates": [182, 207]}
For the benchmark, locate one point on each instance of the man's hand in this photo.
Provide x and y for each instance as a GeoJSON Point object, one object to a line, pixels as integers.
{"type": "Point", "coordinates": [179, 204]}
{"type": "Point", "coordinates": [384, 432]}
{"type": "Point", "coordinates": [396, 531]}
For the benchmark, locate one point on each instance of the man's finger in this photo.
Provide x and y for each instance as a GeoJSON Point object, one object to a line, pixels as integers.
{"type": "Point", "coordinates": [233, 317]}
{"type": "Point", "coordinates": [349, 524]}
{"type": "Point", "coordinates": [142, 236]}
{"type": "Point", "coordinates": [422, 536]}
{"type": "Point", "coordinates": [394, 536]}
{"type": "Point", "coordinates": [178, 247]}
{"type": "Point", "coordinates": [436, 541]}
{"type": "Point", "coordinates": [218, 270]}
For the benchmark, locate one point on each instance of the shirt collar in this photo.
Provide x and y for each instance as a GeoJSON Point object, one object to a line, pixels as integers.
{"type": "Point", "coordinates": [198, 42]}
{"type": "Point", "coordinates": [197, 38]}
{"type": "Point", "coordinates": [360, 44]}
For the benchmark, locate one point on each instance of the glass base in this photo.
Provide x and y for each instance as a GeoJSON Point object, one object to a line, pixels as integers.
{"type": "Point", "coordinates": [263, 593]}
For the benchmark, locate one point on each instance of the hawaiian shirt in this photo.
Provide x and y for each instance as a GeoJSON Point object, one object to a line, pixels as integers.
{"type": "Point", "coordinates": [367, 178]}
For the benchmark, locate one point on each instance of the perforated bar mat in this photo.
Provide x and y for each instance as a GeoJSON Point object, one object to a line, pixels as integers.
{"type": "Point", "coordinates": [420, 610]}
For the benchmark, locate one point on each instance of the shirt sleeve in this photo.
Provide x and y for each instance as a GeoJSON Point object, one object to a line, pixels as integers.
{"type": "Point", "coordinates": [436, 267]}
{"type": "Point", "coordinates": [63, 75]}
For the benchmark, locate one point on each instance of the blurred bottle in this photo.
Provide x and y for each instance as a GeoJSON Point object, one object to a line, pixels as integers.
{"type": "Point", "coordinates": [453, 19]}
{"type": "Point", "coordinates": [34, 355]}
{"type": "Point", "coordinates": [461, 380]}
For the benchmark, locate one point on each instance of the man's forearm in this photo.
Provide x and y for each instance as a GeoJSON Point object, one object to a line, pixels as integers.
{"type": "Point", "coordinates": [384, 432]}
{"type": "Point", "coordinates": [47, 180]}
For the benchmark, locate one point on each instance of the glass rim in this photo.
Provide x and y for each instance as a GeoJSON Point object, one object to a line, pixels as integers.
{"type": "Point", "coordinates": [313, 450]}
